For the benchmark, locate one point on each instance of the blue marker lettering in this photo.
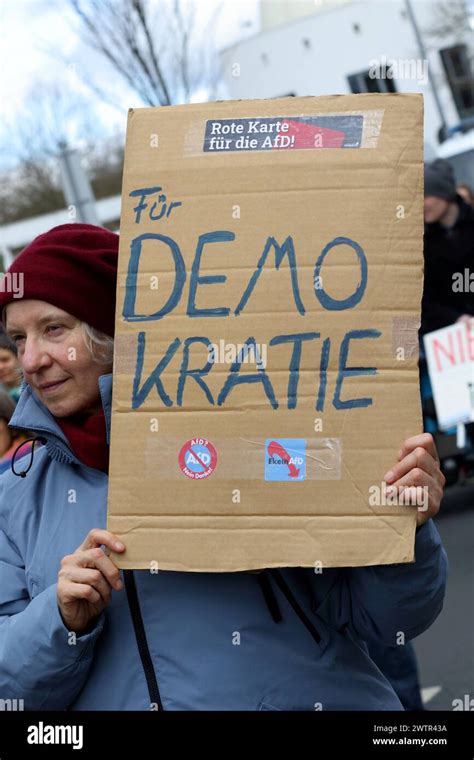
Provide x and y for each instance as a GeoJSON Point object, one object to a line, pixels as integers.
{"type": "Point", "coordinates": [234, 378]}
{"type": "Point", "coordinates": [352, 371]}
{"type": "Point", "coordinates": [287, 249]}
{"type": "Point", "coordinates": [294, 367]}
{"type": "Point", "coordinates": [196, 279]}
{"type": "Point", "coordinates": [333, 304]}
{"type": "Point", "coordinates": [139, 395]}
{"type": "Point", "coordinates": [196, 374]}
{"type": "Point", "coordinates": [131, 282]}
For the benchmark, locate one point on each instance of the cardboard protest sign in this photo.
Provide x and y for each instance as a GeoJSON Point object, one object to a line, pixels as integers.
{"type": "Point", "coordinates": [450, 358]}
{"type": "Point", "coordinates": [265, 370]}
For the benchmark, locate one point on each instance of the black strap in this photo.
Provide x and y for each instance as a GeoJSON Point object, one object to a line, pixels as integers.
{"type": "Point", "coordinates": [269, 596]}
{"type": "Point", "coordinates": [23, 473]}
{"type": "Point", "coordinates": [283, 586]}
{"type": "Point", "coordinates": [147, 662]}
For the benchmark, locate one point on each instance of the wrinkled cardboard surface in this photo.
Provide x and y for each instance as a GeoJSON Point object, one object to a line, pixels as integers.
{"type": "Point", "coordinates": [234, 519]}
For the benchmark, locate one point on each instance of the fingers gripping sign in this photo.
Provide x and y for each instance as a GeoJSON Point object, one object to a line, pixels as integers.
{"type": "Point", "coordinates": [86, 580]}
{"type": "Point", "coordinates": [418, 468]}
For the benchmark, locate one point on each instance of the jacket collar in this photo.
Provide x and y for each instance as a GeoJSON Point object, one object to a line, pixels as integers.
{"type": "Point", "coordinates": [32, 415]}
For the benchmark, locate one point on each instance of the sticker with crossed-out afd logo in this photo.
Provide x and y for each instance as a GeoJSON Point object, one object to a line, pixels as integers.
{"type": "Point", "coordinates": [197, 458]}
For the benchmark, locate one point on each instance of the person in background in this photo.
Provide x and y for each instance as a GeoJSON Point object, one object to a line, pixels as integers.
{"type": "Point", "coordinates": [10, 439]}
{"type": "Point", "coordinates": [448, 296]}
{"type": "Point", "coordinates": [10, 373]}
{"type": "Point", "coordinates": [448, 250]}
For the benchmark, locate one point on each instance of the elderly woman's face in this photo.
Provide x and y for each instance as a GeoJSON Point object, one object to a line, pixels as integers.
{"type": "Point", "coordinates": [53, 357]}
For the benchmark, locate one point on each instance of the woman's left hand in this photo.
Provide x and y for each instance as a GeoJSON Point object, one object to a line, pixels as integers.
{"type": "Point", "coordinates": [418, 468]}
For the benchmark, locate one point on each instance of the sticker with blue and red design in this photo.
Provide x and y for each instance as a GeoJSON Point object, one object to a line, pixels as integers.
{"type": "Point", "coordinates": [197, 458]}
{"type": "Point", "coordinates": [284, 133]}
{"type": "Point", "coordinates": [285, 459]}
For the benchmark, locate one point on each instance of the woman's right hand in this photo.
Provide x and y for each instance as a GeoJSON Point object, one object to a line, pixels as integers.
{"type": "Point", "coordinates": [86, 580]}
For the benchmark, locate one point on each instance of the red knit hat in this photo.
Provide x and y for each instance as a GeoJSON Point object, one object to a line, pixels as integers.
{"type": "Point", "coordinates": [73, 267]}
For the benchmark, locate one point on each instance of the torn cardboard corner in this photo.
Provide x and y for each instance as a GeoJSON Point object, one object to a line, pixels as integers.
{"type": "Point", "coordinates": [268, 297]}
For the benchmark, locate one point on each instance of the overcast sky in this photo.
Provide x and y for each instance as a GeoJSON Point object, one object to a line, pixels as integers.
{"type": "Point", "coordinates": [37, 34]}
{"type": "Point", "coordinates": [40, 44]}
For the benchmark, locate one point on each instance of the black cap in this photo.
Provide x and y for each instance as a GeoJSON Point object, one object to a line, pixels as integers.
{"type": "Point", "coordinates": [440, 180]}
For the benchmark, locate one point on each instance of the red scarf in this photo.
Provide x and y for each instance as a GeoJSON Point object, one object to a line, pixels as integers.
{"type": "Point", "coordinates": [87, 438]}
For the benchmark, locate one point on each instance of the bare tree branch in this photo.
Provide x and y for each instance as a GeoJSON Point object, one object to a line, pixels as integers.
{"type": "Point", "coordinates": [108, 33]}
{"type": "Point", "coordinates": [449, 17]}
{"type": "Point", "coordinates": [140, 9]}
{"type": "Point", "coordinates": [157, 61]}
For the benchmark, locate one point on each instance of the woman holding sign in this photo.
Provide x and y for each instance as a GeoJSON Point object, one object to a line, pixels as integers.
{"type": "Point", "coordinates": [76, 633]}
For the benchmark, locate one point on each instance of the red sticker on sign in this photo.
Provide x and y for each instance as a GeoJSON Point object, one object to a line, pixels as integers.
{"type": "Point", "coordinates": [197, 458]}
